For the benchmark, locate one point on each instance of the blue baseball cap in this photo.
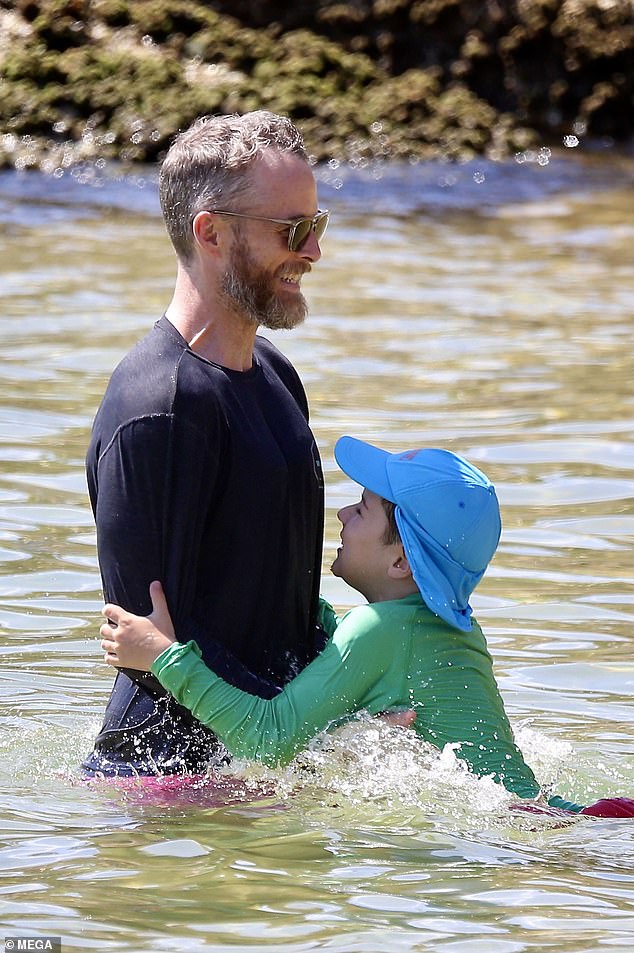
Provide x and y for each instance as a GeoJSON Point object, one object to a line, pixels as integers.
{"type": "Point", "coordinates": [446, 512]}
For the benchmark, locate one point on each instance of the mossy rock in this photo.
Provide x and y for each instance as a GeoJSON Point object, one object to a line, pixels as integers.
{"type": "Point", "coordinates": [62, 23]}
{"type": "Point", "coordinates": [229, 43]}
{"type": "Point", "coordinates": [161, 19]}
{"type": "Point", "coordinates": [361, 77]}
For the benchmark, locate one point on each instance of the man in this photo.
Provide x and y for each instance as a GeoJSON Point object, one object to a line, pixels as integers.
{"type": "Point", "coordinates": [202, 470]}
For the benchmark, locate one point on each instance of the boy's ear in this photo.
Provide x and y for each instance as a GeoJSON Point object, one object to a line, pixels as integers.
{"type": "Point", "coordinates": [400, 568]}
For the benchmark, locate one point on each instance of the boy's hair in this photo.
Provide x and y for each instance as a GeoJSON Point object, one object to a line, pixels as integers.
{"type": "Point", "coordinates": [391, 534]}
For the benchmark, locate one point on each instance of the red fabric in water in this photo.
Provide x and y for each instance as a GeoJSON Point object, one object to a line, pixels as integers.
{"type": "Point", "coordinates": [204, 790]}
{"type": "Point", "coordinates": [611, 807]}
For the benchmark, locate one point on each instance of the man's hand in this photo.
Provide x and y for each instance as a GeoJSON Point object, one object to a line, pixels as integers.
{"type": "Point", "coordinates": [135, 641]}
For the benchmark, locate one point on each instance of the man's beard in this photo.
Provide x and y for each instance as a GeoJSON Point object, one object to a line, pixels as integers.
{"type": "Point", "coordinates": [250, 292]}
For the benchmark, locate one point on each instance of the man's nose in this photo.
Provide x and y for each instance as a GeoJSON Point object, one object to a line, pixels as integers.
{"type": "Point", "coordinates": [310, 250]}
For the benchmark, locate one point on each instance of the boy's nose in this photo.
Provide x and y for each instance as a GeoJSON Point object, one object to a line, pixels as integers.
{"type": "Point", "coordinates": [342, 515]}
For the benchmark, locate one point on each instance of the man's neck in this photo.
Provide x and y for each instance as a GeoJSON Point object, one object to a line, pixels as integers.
{"type": "Point", "coordinates": [210, 329]}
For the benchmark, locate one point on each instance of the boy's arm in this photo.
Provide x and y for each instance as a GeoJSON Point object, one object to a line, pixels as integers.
{"type": "Point", "coordinates": [333, 685]}
{"type": "Point", "coordinates": [326, 617]}
{"type": "Point", "coordinates": [274, 730]}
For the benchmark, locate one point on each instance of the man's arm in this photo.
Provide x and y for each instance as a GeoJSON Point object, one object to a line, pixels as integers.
{"type": "Point", "coordinates": [150, 499]}
{"type": "Point", "coordinates": [156, 483]}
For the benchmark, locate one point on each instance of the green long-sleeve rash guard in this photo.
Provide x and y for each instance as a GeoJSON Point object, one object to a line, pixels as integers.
{"type": "Point", "coordinates": [380, 656]}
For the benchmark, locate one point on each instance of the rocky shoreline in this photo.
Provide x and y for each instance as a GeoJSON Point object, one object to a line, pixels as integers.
{"type": "Point", "coordinates": [92, 80]}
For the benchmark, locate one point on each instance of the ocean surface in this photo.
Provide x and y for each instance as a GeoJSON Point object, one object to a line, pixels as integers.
{"type": "Point", "coordinates": [487, 308]}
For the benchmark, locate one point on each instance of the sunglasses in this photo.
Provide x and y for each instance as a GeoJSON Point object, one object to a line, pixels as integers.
{"type": "Point", "coordinates": [298, 228]}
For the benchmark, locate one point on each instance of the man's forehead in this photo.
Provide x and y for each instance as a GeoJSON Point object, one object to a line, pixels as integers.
{"type": "Point", "coordinates": [274, 159]}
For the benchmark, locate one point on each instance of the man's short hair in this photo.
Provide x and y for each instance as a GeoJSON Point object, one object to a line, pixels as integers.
{"type": "Point", "coordinates": [208, 166]}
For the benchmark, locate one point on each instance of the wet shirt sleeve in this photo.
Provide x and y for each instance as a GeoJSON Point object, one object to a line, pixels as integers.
{"type": "Point", "coordinates": [144, 532]}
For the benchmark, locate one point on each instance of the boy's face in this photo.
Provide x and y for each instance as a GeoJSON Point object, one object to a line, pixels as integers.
{"type": "Point", "coordinates": [363, 559]}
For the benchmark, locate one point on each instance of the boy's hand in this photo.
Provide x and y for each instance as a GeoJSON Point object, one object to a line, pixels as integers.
{"type": "Point", "coordinates": [401, 718]}
{"type": "Point", "coordinates": [135, 641]}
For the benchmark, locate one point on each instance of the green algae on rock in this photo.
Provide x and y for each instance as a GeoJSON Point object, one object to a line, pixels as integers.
{"type": "Point", "coordinates": [87, 79]}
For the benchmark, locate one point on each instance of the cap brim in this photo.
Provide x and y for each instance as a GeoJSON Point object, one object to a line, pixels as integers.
{"type": "Point", "coordinates": [365, 464]}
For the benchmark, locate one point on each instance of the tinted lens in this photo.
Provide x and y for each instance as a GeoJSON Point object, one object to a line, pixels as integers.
{"type": "Point", "coordinates": [299, 233]}
{"type": "Point", "coordinates": [301, 230]}
{"type": "Point", "coordinates": [321, 224]}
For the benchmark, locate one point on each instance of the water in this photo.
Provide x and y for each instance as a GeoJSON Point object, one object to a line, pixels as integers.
{"type": "Point", "coordinates": [483, 308]}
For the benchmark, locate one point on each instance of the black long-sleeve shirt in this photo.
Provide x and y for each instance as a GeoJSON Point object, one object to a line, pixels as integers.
{"type": "Point", "coordinates": [208, 479]}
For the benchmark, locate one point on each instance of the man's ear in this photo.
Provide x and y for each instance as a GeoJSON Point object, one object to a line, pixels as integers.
{"type": "Point", "coordinates": [400, 568]}
{"type": "Point", "coordinates": [205, 230]}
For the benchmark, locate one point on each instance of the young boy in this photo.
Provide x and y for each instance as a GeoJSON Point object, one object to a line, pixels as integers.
{"type": "Point", "coordinates": [416, 545]}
